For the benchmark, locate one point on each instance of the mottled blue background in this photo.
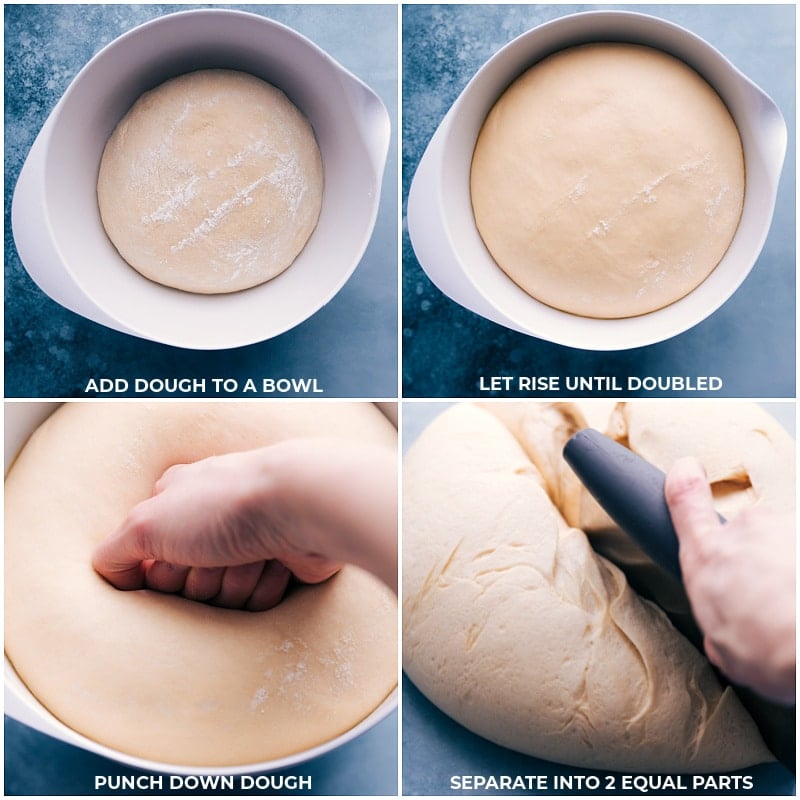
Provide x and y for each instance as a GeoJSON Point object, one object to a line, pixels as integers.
{"type": "Point", "coordinates": [350, 344]}
{"type": "Point", "coordinates": [749, 342]}
{"type": "Point", "coordinates": [49, 351]}
{"type": "Point", "coordinates": [41, 766]}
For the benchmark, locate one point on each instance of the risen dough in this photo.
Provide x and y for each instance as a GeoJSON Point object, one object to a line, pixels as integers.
{"type": "Point", "coordinates": [211, 183]}
{"type": "Point", "coordinates": [159, 676]}
{"type": "Point", "coordinates": [516, 628]}
{"type": "Point", "coordinates": [608, 180]}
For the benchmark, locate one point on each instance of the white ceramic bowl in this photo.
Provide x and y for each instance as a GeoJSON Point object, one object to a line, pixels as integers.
{"type": "Point", "coordinates": [21, 419]}
{"type": "Point", "coordinates": [55, 218]}
{"type": "Point", "coordinates": [441, 223]}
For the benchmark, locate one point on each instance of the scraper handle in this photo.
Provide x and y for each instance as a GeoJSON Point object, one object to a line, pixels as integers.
{"type": "Point", "coordinates": [630, 489]}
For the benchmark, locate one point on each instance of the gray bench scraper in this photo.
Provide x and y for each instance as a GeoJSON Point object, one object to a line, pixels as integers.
{"type": "Point", "coordinates": [630, 489]}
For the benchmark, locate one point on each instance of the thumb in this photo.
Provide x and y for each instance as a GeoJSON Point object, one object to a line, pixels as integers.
{"type": "Point", "coordinates": [691, 507]}
{"type": "Point", "coordinates": [119, 557]}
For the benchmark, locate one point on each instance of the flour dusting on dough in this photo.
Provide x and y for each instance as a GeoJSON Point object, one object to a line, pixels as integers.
{"type": "Point", "coordinates": [211, 183]}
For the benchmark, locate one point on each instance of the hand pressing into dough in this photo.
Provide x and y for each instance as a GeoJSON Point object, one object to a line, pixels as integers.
{"type": "Point", "coordinates": [741, 584]}
{"type": "Point", "coordinates": [231, 530]}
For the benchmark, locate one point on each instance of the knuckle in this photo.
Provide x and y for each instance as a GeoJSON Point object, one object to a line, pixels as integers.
{"type": "Point", "coordinates": [138, 528]}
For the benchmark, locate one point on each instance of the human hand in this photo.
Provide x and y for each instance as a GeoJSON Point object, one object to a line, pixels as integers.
{"type": "Point", "coordinates": [740, 578]}
{"type": "Point", "coordinates": [230, 530]}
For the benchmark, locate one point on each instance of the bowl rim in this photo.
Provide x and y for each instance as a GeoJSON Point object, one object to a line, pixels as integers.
{"type": "Point", "coordinates": [25, 417]}
{"type": "Point", "coordinates": [31, 713]}
{"type": "Point", "coordinates": [372, 136]}
{"type": "Point", "coordinates": [529, 315]}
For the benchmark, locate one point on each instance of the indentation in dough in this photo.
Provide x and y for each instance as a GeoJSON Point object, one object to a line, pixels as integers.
{"type": "Point", "coordinates": [225, 687]}
{"type": "Point", "coordinates": [534, 640]}
{"type": "Point", "coordinates": [734, 486]}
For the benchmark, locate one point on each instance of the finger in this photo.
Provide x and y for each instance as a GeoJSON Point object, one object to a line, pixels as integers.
{"type": "Point", "coordinates": [312, 568]}
{"type": "Point", "coordinates": [167, 477]}
{"type": "Point", "coordinates": [270, 588]}
{"type": "Point", "coordinates": [712, 653]}
{"type": "Point", "coordinates": [691, 507]}
{"type": "Point", "coordinates": [734, 668]}
{"type": "Point", "coordinates": [119, 557]}
{"type": "Point", "coordinates": [203, 583]}
{"type": "Point", "coordinates": [162, 576]}
{"type": "Point", "coordinates": [238, 583]}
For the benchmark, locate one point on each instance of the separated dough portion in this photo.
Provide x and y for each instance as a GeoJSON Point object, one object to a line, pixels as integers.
{"type": "Point", "coordinates": [158, 676]}
{"type": "Point", "coordinates": [211, 183]}
{"type": "Point", "coordinates": [608, 180]}
{"type": "Point", "coordinates": [516, 628]}
{"type": "Point", "coordinates": [748, 456]}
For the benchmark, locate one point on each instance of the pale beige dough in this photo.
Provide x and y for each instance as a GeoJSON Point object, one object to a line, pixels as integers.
{"type": "Point", "coordinates": [513, 624]}
{"type": "Point", "coordinates": [211, 183]}
{"type": "Point", "coordinates": [608, 180]}
{"type": "Point", "coordinates": [748, 456]}
{"type": "Point", "coordinates": [158, 676]}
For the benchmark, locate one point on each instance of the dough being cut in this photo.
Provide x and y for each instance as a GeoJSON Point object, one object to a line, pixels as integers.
{"type": "Point", "coordinates": [211, 183]}
{"type": "Point", "coordinates": [514, 626]}
{"type": "Point", "coordinates": [608, 180]}
{"type": "Point", "coordinates": [158, 676]}
{"type": "Point", "coordinates": [748, 456]}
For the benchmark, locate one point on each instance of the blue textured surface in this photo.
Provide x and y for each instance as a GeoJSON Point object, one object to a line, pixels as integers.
{"type": "Point", "coordinates": [43, 766]}
{"type": "Point", "coordinates": [350, 345]}
{"type": "Point", "coordinates": [749, 342]}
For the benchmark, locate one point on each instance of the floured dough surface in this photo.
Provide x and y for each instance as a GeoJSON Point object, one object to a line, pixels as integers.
{"type": "Point", "coordinates": [516, 627]}
{"type": "Point", "coordinates": [158, 676]}
{"type": "Point", "coordinates": [211, 183]}
{"type": "Point", "coordinates": [608, 180]}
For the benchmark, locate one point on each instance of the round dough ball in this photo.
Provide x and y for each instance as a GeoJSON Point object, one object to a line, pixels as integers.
{"type": "Point", "coordinates": [516, 628]}
{"type": "Point", "coordinates": [156, 675]}
{"type": "Point", "coordinates": [608, 180]}
{"type": "Point", "coordinates": [211, 183]}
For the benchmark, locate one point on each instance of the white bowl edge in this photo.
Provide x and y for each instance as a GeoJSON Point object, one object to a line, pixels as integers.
{"type": "Point", "coordinates": [151, 311]}
{"type": "Point", "coordinates": [458, 262]}
{"type": "Point", "coordinates": [21, 419]}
